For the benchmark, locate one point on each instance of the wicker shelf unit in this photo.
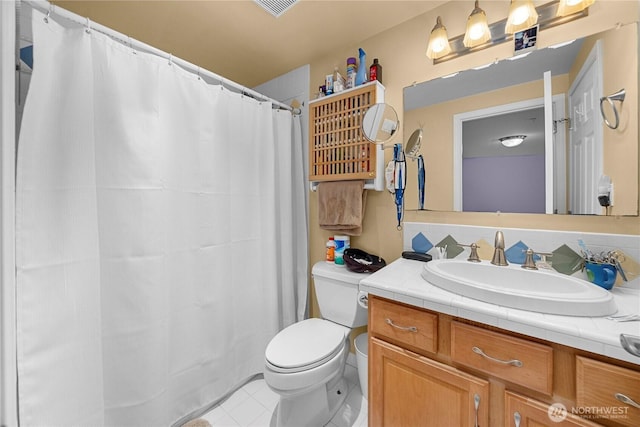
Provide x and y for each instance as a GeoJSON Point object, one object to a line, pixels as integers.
{"type": "Point", "coordinates": [338, 150]}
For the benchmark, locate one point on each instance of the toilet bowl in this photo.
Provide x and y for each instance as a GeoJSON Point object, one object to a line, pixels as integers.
{"type": "Point", "coordinates": [305, 362]}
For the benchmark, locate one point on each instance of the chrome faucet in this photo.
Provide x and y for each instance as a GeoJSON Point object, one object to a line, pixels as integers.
{"type": "Point", "coordinates": [498, 254]}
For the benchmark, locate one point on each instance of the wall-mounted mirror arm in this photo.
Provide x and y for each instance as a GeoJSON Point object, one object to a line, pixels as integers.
{"type": "Point", "coordinates": [380, 123]}
{"type": "Point", "coordinates": [618, 96]}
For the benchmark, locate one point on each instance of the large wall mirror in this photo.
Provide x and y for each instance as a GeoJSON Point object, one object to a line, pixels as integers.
{"type": "Point", "coordinates": [551, 97]}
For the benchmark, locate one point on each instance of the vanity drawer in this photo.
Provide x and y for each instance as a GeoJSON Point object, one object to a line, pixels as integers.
{"type": "Point", "coordinates": [403, 325]}
{"type": "Point", "coordinates": [503, 356]}
{"type": "Point", "coordinates": [598, 384]}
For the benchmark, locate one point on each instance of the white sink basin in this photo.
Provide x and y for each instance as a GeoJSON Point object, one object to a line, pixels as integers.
{"type": "Point", "coordinates": [512, 286]}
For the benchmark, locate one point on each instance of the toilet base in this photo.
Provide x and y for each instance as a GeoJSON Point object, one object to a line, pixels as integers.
{"type": "Point", "coordinates": [315, 408]}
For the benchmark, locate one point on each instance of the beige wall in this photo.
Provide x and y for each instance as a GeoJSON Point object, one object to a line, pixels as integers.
{"type": "Point", "coordinates": [401, 53]}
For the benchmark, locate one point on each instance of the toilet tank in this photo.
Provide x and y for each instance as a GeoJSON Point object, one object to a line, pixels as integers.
{"type": "Point", "coordinates": [337, 292]}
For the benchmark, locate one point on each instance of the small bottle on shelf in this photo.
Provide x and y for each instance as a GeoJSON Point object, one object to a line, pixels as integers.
{"type": "Point", "coordinates": [375, 71]}
{"type": "Point", "coordinates": [351, 72]}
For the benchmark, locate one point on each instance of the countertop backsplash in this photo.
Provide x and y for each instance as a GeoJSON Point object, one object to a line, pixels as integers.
{"type": "Point", "coordinates": [565, 245]}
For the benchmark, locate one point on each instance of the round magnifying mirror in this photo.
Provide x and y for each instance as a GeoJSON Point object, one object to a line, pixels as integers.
{"type": "Point", "coordinates": [412, 146]}
{"type": "Point", "coordinates": [380, 123]}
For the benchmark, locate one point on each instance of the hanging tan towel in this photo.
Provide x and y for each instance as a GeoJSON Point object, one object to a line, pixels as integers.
{"type": "Point", "coordinates": [341, 206]}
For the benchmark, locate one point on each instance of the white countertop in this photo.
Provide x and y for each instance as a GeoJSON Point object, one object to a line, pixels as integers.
{"type": "Point", "coordinates": [401, 281]}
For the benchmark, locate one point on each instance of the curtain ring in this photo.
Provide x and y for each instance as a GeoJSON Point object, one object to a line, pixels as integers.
{"type": "Point", "coordinates": [199, 78]}
{"type": "Point", "coordinates": [170, 59]}
{"type": "Point", "coordinates": [88, 26]}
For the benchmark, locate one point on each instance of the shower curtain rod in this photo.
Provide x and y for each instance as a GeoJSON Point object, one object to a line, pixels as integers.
{"type": "Point", "coordinates": [50, 9]}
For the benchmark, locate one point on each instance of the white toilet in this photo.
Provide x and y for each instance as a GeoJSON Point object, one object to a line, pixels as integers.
{"type": "Point", "coordinates": [305, 362]}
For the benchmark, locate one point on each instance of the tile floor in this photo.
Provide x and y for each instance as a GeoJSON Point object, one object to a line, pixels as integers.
{"type": "Point", "coordinates": [253, 405]}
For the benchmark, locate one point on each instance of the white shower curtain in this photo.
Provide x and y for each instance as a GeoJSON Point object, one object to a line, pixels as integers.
{"type": "Point", "coordinates": [156, 255]}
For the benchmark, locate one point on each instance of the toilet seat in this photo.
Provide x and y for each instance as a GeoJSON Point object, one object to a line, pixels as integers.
{"type": "Point", "coordinates": [305, 345]}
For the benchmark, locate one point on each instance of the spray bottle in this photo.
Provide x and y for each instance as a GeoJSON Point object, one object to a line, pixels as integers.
{"type": "Point", "coordinates": [361, 75]}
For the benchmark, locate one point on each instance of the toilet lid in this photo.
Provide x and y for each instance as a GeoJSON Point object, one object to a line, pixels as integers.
{"type": "Point", "coordinates": [305, 344]}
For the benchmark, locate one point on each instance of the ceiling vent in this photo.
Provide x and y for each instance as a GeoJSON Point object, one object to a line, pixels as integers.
{"type": "Point", "coordinates": [276, 7]}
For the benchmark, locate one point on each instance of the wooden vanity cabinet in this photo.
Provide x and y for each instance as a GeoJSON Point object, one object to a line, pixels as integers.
{"type": "Point", "coordinates": [425, 368]}
{"type": "Point", "coordinates": [608, 388]}
{"type": "Point", "coordinates": [406, 389]}
{"type": "Point", "coordinates": [521, 411]}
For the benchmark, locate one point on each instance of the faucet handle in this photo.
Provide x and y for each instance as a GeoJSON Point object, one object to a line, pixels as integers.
{"type": "Point", "coordinates": [473, 256]}
{"type": "Point", "coordinates": [529, 262]}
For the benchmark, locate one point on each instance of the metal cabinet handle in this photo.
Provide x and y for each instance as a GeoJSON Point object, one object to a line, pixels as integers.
{"type": "Point", "coordinates": [513, 362]}
{"type": "Point", "coordinates": [627, 400]}
{"type": "Point", "coordinates": [476, 404]}
{"type": "Point", "coordinates": [517, 418]}
{"type": "Point", "coordinates": [402, 328]}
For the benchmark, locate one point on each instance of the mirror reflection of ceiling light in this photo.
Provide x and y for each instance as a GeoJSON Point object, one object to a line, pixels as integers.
{"type": "Point", "coordinates": [438, 41]}
{"type": "Point", "coordinates": [512, 140]}
{"type": "Point", "coordinates": [477, 28]}
{"type": "Point", "coordinates": [522, 15]}
{"type": "Point", "coordinates": [569, 7]}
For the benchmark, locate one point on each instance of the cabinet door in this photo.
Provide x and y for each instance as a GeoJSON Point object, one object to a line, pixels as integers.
{"type": "Point", "coordinates": [406, 389]}
{"type": "Point", "coordinates": [338, 149]}
{"type": "Point", "coordinates": [610, 392]}
{"type": "Point", "coordinates": [521, 411]}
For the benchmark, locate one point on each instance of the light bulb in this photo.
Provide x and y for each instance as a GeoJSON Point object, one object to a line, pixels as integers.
{"type": "Point", "coordinates": [569, 7]}
{"type": "Point", "coordinates": [438, 41]}
{"type": "Point", "coordinates": [477, 28]}
{"type": "Point", "coordinates": [522, 15]}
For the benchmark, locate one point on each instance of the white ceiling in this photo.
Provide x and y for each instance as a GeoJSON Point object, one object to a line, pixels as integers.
{"type": "Point", "coordinates": [239, 40]}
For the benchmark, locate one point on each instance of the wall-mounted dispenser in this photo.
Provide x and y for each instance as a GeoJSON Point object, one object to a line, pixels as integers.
{"type": "Point", "coordinates": [605, 191]}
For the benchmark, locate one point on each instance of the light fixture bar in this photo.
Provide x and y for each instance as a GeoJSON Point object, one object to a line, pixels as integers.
{"type": "Point", "coordinates": [546, 19]}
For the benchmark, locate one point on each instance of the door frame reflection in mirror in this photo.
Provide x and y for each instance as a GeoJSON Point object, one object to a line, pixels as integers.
{"type": "Point", "coordinates": [502, 181]}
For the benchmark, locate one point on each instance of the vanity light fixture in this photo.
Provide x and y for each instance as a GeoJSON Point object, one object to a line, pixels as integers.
{"type": "Point", "coordinates": [438, 41]}
{"type": "Point", "coordinates": [547, 17]}
{"type": "Point", "coordinates": [512, 140]}
{"type": "Point", "coordinates": [522, 15]}
{"type": "Point", "coordinates": [477, 28]}
{"type": "Point", "coordinates": [569, 7]}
